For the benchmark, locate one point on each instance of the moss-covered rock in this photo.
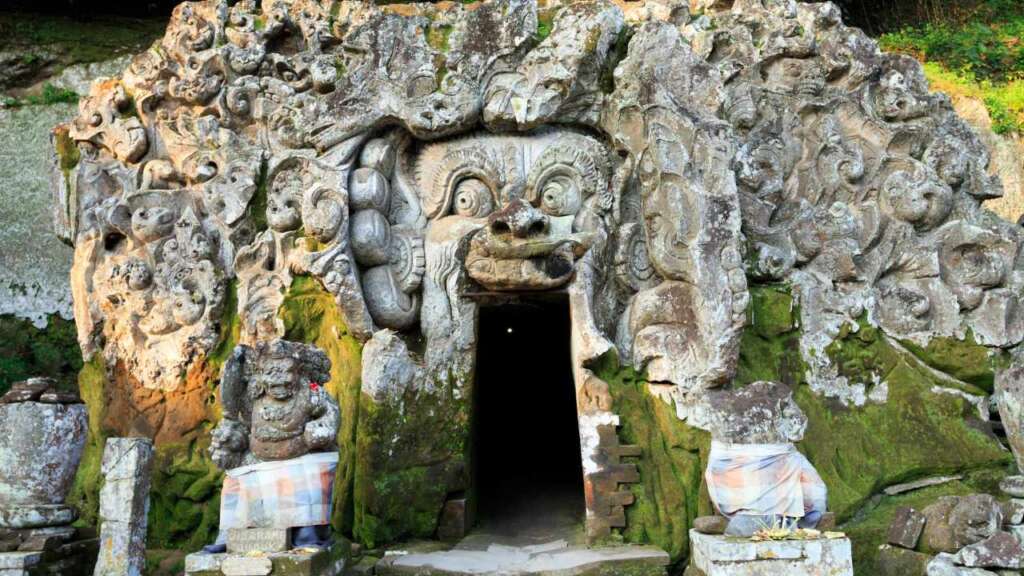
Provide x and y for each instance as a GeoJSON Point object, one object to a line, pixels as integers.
{"type": "Point", "coordinates": [868, 530]}
{"type": "Point", "coordinates": [671, 492]}
{"type": "Point", "coordinates": [413, 451]}
{"type": "Point", "coordinates": [916, 433]}
{"type": "Point", "coordinates": [310, 315]}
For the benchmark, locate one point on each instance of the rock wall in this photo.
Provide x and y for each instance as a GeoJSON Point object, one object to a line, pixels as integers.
{"type": "Point", "coordinates": [749, 191]}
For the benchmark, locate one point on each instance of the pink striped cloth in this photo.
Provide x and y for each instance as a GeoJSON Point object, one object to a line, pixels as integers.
{"type": "Point", "coordinates": [762, 480]}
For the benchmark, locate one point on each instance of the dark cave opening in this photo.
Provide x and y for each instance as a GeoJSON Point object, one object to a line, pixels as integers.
{"type": "Point", "coordinates": [528, 472]}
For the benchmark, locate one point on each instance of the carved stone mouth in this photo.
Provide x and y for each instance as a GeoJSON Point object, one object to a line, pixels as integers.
{"type": "Point", "coordinates": [500, 263]}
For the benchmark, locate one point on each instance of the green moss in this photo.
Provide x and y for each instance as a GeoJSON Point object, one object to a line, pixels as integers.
{"type": "Point", "coordinates": [185, 497]}
{"type": "Point", "coordinates": [964, 359]}
{"type": "Point", "coordinates": [545, 23]}
{"type": "Point", "coordinates": [84, 495]}
{"type": "Point", "coordinates": [311, 315]}
{"type": "Point", "coordinates": [671, 492]}
{"type": "Point", "coordinates": [769, 349]}
{"type": "Point", "coordinates": [858, 451]}
{"type": "Point", "coordinates": [870, 528]}
{"type": "Point", "coordinates": [66, 149]}
{"type": "Point", "coordinates": [27, 351]}
{"type": "Point", "coordinates": [413, 451]}
{"type": "Point", "coordinates": [437, 37]}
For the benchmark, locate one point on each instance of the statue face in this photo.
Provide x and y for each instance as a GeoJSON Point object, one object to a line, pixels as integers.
{"type": "Point", "coordinates": [278, 377]}
{"type": "Point", "coordinates": [532, 202]}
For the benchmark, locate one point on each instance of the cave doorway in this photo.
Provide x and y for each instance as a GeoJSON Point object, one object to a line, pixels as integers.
{"type": "Point", "coordinates": [528, 475]}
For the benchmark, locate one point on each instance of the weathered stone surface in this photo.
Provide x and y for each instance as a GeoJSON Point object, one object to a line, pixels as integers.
{"type": "Point", "coordinates": [246, 566]}
{"type": "Point", "coordinates": [547, 559]}
{"type": "Point", "coordinates": [906, 528]}
{"type": "Point", "coordinates": [954, 522]}
{"type": "Point", "coordinates": [1013, 486]}
{"type": "Point", "coordinates": [276, 405]}
{"type": "Point", "coordinates": [1001, 550]}
{"type": "Point", "coordinates": [710, 524]}
{"type": "Point", "coordinates": [124, 504]}
{"type": "Point", "coordinates": [722, 556]}
{"type": "Point", "coordinates": [1013, 511]}
{"type": "Point", "coordinates": [894, 561]}
{"type": "Point", "coordinates": [34, 264]}
{"type": "Point", "coordinates": [942, 565]}
{"type": "Point", "coordinates": [243, 540]}
{"type": "Point", "coordinates": [40, 447]}
{"type": "Point", "coordinates": [413, 159]}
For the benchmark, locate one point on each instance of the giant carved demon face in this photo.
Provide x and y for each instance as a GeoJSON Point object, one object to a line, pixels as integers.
{"type": "Point", "coordinates": [532, 203]}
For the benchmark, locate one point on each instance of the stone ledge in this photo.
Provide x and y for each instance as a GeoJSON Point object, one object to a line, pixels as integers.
{"type": "Point", "coordinates": [725, 556]}
{"type": "Point", "coordinates": [330, 562]}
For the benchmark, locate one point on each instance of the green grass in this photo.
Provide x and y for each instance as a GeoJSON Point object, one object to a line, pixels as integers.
{"type": "Point", "coordinates": [1004, 101]}
{"type": "Point", "coordinates": [981, 58]}
{"type": "Point", "coordinates": [85, 40]}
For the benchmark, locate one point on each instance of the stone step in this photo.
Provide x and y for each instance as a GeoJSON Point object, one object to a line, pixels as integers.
{"type": "Point", "coordinates": [729, 556]}
{"type": "Point", "coordinates": [553, 559]}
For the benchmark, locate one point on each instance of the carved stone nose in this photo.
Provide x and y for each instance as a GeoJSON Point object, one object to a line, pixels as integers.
{"type": "Point", "coordinates": [520, 219]}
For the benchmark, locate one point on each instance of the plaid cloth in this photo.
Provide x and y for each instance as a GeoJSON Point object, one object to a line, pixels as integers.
{"type": "Point", "coordinates": [279, 494]}
{"type": "Point", "coordinates": [764, 479]}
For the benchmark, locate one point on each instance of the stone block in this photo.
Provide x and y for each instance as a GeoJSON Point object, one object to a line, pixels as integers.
{"type": "Point", "coordinates": [1013, 486]}
{"type": "Point", "coordinates": [246, 566]}
{"type": "Point", "coordinates": [723, 556]}
{"type": "Point", "coordinates": [1013, 511]}
{"type": "Point", "coordinates": [1001, 550]}
{"type": "Point", "coordinates": [710, 524]}
{"type": "Point", "coordinates": [894, 561]}
{"type": "Point", "coordinates": [243, 540]}
{"type": "Point", "coordinates": [124, 502]}
{"type": "Point", "coordinates": [906, 527]}
{"type": "Point", "coordinates": [19, 560]}
{"type": "Point", "coordinates": [455, 520]}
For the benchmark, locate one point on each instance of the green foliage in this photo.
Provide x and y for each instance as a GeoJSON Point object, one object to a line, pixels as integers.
{"type": "Point", "coordinates": [79, 40]}
{"type": "Point", "coordinates": [48, 96]}
{"type": "Point", "coordinates": [545, 23]}
{"type": "Point", "coordinates": [987, 50]}
{"type": "Point", "coordinates": [27, 351]}
{"type": "Point", "coordinates": [1005, 102]}
{"type": "Point", "coordinates": [981, 57]}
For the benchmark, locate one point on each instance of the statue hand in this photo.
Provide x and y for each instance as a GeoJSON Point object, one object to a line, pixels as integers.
{"type": "Point", "coordinates": [230, 440]}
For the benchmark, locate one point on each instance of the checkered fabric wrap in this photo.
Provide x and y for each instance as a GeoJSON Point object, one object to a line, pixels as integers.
{"type": "Point", "coordinates": [282, 494]}
{"type": "Point", "coordinates": [763, 479]}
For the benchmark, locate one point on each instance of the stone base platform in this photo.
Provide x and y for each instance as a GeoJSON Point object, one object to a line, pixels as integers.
{"type": "Point", "coordinates": [299, 562]}
{"type": "Point", "coordinates": [75, 558]}
{"type": "Point", "coordinates": [727, 556]}
{"type": "Point", "coordinates": [550, 559]}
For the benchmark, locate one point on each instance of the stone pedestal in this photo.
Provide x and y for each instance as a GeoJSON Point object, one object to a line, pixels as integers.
{"type": "Point", "coordinates": [726, 556]}
{"type": "Point", "coordinates": [299, 562]}
{"type": "Point", "coordinates": [74, 558]}
{"type": "Point", "coordinates": [124, 503]}
{"type": "Point", "coordinates": [40, 446]}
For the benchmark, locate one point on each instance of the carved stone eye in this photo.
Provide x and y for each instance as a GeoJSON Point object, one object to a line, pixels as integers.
{"type": "Point", "coordinates": [560, 196]}
{"type": "Point", "coordinates": [473, 198]}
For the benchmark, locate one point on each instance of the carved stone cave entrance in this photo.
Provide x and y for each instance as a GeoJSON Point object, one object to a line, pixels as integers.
{"type": "Point", "coordinates": [527, 473]}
